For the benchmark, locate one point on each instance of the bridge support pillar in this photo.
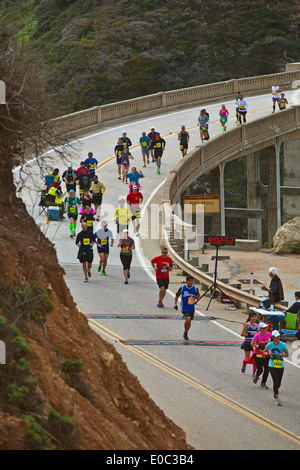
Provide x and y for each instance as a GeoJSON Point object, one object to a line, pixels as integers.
{"type": "Point", "coordinates": [216, 225]}
{"type": "Point", "coordinates": [291, 178]}
{"type": "Point", "coordinates": [253, 198]}
{"type": "Point", "coordinates": [274, 212]}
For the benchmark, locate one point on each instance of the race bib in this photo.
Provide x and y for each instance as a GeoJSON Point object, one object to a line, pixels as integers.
{"type": "Point", "coordinates": [125, 249]}
{"type": "Point", "coordinates": [203, 128]}
{"type": "Point", "coordinates": [89, 223]}
{"type": "Point", "coordinates": [96, 190]}
{"type": "Point", "coordinates": [104, 241]}
{"type": "Point", "coordinates": [91, 167]}
{"type": "Point", "coordinates": [181, 147]}
{"type": "Point", "coordinates": [86, 241]}
{"type": "Point", "coordinates": [72, 209]}
{"type": "Point", "coordinates": [277, 363]}
{"type": "Point", "coordinates": [144, 144]}
{"type": "Point", "coordinates": [223, 119]}
{"type": "Point", "coordinates": [274, 93]}
{"type": "Point", "coordinates": [242, 106]}
{"type": "Point", "coordinates": [158, 145]}
{"type": "Point", "coordinates": [138, 214]}
{"type": "Point", "coordinates": [191, 300]}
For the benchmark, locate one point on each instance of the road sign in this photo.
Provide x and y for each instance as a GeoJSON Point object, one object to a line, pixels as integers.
{"type": "Point", "coordinates": [211, 203]}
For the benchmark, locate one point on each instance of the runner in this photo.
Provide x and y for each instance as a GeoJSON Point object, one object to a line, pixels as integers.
{"type": "Point", "coordinates": [85, 241]}
{"type": "Point", "coordinates": [237, 107]}
{"type": "Point", "coordinates": [275, 95]}
{"type": "Point", "coordinates": [134, 200]}
{"type": "Point", "coordinates": [91, 164]}
{"type": "Point", "coordinates": [282, 102]}
{"type": "Point", "coordinates": [259, 343]}
{"type": "Point", "coordinates": [88, 217]}
{"type": "Point", "coordinates": [121, 216]}
{"type": "Point", "coordinates": [97, 191]}
{"type": "Point", "coordinates": [127, 245]}
{"type": "Point", "coordinates": [243, 106]}
{"type": "Point", "coordinates": [145, 143]}
{"type": "Point", "coordinates": [71, 203]}
{"type": "Point", "coordinates": [152, 135]}
{"type": "Point", "coordinates": [188, 293]}
{"type": "Point", "coordinates": [203, 121]}
{"type": "Point", "coordinates": [79, 169]}
{"type": "Point", "coordinates": [125, 156]}
{"type": "Point", "coordinates": [277, 351]}
{"type": "Point", "coordinates": [249, 330]}
{"type": "Point", "coordinates": [162, 265]}
{"type": "Point", "coordinates": [224, 113]}
{"type": "Point", "coordinates": [134, 178]}
{"type": "Point", "coordinates": [69, 177]}
{"type": "Point", "coordinates": [183, 137]}
{"type": "Point", "coordinates": [83, 180]}
{"type": "Point", "coordinates": [86, 200]}
{"type": "Point", "coordinates": [159, 145]}
{"type": "Point", "coordinates": [102, 237]}
{"type": "Point", "coordinates": [125, 140]}
{"type": "Point", "coordinates": [118, 151]}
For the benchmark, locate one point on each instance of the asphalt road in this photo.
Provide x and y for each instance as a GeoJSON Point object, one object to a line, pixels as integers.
{"type": "Point", "coordinates": [199, 386]}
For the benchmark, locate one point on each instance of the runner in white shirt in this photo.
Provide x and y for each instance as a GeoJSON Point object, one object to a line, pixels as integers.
{"type": "Point", "coordinates": [275, 95]}
{"type": "Point", "coordinates": [242, 107]}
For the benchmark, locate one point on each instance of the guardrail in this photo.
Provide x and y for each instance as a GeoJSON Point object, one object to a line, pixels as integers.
{"type": "Point", "coordinates": [165, 101]}
{"type": "Point", "coordinates": [202, 159]}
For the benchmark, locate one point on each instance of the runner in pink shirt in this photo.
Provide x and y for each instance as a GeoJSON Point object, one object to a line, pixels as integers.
{"type": "Point", "coordinates": [259, 342]}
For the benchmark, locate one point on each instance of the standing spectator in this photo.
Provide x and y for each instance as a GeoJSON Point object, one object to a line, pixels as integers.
{"type": "Point", "coordinates": [189, 293]}
{"type": "Point", "coordinates": [162, 265]}
{"type": "Point", "coordinates": [277, 351]}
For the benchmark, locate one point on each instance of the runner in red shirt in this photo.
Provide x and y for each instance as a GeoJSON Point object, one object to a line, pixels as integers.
{"type": "Point", "coordinates": [134, 199]}
{"type": "Point", "coordinates": [163, 265]}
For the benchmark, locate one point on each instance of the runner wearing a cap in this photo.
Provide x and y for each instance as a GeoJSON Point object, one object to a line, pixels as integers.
{"type": "Point", "coordinates": [259, 342]}
{"type": "Point", "coordinates": [127, 245]}
{"type": "Point", "coordinates": [125, 140]}
{"type": "Point", "coordinates": [152, 135]}
{"type": "Point", "coordinates": [203, 121]}
{"type": "Point", "coordinates": [277, 351]}
{"type": "Point", "coordinates": [183, 137]}
{"type": "Point", "coordinates": [159, 145]}
{"type": "Point", "coordinates": [102, 237]}
{"type": "Point", "coordinates": [145, 143]}
{"type": "Point", "coordinates": [71, 204]}
{"type": "Point", "coordinates": [91, 164]}
{"type": "Point", "coordinates": [134, 199]}
{"type": "Point", "coordinates": [69, 177]}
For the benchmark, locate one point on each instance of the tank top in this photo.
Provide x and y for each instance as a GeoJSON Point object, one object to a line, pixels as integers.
{"type": "Point", "coordinates": [250, 332]}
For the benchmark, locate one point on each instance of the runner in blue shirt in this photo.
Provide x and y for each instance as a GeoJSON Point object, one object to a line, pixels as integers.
{"type": "Point", "coordinates": [277, 350]}
{"type": "Point", "coordinates": [134, 178]}
{"type": "Point", "coordinates": [189, 293]}
{"type": "Point", "coordinates": [91, 164]}
{"type": "Point", "coordinates": [145, 143]}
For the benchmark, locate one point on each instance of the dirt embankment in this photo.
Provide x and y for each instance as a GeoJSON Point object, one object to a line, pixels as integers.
{"type": "Point", "coordinates": [109, 407]}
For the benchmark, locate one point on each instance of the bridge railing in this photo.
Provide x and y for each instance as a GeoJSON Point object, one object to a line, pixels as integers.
{"type": "Point", "coordinates": [165, 101]}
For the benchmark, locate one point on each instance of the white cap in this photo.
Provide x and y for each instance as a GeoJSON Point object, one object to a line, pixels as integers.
{"type": "Point", "coordinates": [70, 164]}
{"type": "Point", "coordinates": [152, 128]}
{"type": "Point", "coordinates": [275, 333]}
{"type": "Point", "coordinates": [262, 325]}
{"type": "Point", "coordinates": [134, 187]}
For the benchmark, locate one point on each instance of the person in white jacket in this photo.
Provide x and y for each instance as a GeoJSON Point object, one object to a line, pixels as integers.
{"type": "Point", "coordinates": [242, 109]}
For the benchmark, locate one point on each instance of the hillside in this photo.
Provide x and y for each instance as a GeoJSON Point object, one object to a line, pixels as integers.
{"type": "Point", "coordinates": [100, 51]}
{"type": "Point", "coordinates": [62, 387]}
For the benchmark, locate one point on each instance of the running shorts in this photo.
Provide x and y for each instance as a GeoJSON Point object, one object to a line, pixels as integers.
{"type": "Point", "coordinates": [163, 282]}
{"type": "Point", "coordinates": [126, 260]}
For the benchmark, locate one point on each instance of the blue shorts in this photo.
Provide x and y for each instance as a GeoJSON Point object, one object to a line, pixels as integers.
{"type": "Point", "coordinates": [145, 151]}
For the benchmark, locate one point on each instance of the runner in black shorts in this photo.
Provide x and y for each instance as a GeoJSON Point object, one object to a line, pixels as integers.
{"type": "Point", "coordinates": [127, 245]}
{"type": "Point", "coordinates": [85, 241]}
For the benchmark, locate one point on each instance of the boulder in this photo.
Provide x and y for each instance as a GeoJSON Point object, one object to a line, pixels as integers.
{"type": "Point", "coordinates": [287, 237]}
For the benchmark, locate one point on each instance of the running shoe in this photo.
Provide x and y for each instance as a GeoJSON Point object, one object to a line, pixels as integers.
{"type": "Point", "coordinates": [185, 335]}
{"type": "Point", "coordinates": [153, 160]}
{"type": "Point", "coordinates": [86, 280]}
{"type": "Point", "coordinates": [144, 166]}
{"type": "Point", "coordinates": [99, 268]}
{"type": "Point", "coordinates": [147, 162]}
{"type": "Point", "coordinates": [255, 379]}
{"type": "Point", "coordinates": [243, 368]}
{"type": "Point", "coordinates": [89, 274]}
{"type": "Point", "coordinates": [278, 402]}
{"type": "Point", "coordinates": [104, 273]}
{"type": "Point", "coordinates": [126, 281]}
{"type": "Point", "coordinates": [71, 235]}
{"type": "Point", "coordinates": [119, 177]}
{"type": "Point", "coordinates": [264, 386]}
{"type": "Point", "coordinates": [158, 171]}
{"type": "Point", "coordinates": [160, 304]}
{"type": "Point", "coordinates": [74, 234]}
{"type": "Point", "coordinates": [137, 234]}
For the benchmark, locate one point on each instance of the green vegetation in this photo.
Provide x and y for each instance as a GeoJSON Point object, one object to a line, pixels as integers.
{"type": "Point", "coordinates": [100, 51]}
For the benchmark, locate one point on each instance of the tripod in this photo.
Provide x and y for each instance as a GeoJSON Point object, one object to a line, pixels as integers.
{"type": "Point", "coordinates": [214, 285]}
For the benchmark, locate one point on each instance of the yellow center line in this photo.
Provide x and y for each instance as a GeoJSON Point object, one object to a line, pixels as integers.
{"type": "Point", "coordinates": [193, 382]}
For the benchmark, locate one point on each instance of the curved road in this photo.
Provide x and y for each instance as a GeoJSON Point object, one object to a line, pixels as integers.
{"type": "Point", "coordinates": [200, 387]}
